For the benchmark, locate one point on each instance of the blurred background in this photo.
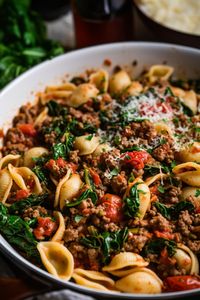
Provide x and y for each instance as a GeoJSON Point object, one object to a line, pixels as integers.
{"type": "Point", "coordinates": [32, 31]}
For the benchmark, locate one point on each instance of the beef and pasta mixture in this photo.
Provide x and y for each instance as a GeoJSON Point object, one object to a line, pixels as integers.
{"type": "Point", "coordinates": [100, 181]}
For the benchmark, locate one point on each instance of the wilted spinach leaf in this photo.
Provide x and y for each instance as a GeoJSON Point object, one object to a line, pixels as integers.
{"type": "Point", "coordinates": [155, 246]}
{"type": "Point", "coordinates": [132, 202]}
{"type": "Point", "coordinates": [17, 232]}
{"type": "Point", "coordinates": [32, 200]}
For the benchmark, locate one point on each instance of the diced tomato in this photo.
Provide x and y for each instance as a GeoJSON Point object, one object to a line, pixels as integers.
{"type": "Point", "coordinates": [164, 235]}
{"type": "Point", "coordinates": [136, 159]}
{"type": "Point", "coordinates": [154, 190]}
{"type": "Point", "coordinates": [95, 177]}
{"type": "Point", "coordinates": [45, 228]}
{"type": "Point", "coordinates": [182, 283]}
{"type": "Point", "coordinates": [20, 194]}
{"type": "Point", "coordinates": [113, 207]}
{"type": "Point", "coordinates": [27, 129]}
{"type": "Point", "coordinates": [50, 164]}
{"type": "Point", "coordinates": [73, 167]}
{"type": "Point", "coordinates": [61, 163]}
{"type": "Point", "coordinates": [165, 259]}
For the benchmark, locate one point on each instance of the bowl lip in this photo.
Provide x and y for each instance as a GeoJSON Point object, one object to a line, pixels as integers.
{"type": "Point", "coordinates": [145, 44]}
{"type": "Point", "coordinates": [15, 256]}
{"type": "Point", "coordinates": [163, 26]}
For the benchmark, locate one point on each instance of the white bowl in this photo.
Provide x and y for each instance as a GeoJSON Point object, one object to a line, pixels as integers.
{"type": "Point", "coordinates": [185, 60]}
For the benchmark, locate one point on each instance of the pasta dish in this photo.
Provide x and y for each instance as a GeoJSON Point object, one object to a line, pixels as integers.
{"type": "Point", "coordinates": [100, 181]}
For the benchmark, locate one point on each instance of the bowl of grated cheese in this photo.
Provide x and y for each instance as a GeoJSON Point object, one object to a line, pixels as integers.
{"type": "Point", "coordinates": [175, 21]}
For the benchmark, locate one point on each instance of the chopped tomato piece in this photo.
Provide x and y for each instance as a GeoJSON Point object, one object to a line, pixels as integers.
{"type": "Point", "coordinates": [61, 162]}
{"type": "Point", "coordinates": [182, 283]}
{"type": "Point", "coordinates": [165, 259]}
{"type": "Point", "coordinates": [95, 177]}
{"type": "Point", "coordinates": [73, 167]}
{"type": "Point", "coordinates": [20, 194]}
{"type": "Point", "coordinates": [165, 235]}
{"type": "Point", "coordinates": [27, 129]}
{"type": "Point", "coordinates": [113, 207]}
{"type": "Point", "coordinates": [136, 159]}
{"type": "Point", "coordinates": [45, 228]}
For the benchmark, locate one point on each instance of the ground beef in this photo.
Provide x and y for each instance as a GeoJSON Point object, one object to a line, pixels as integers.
{"type": "Point", "coordinates": [34, 212]}
{"type": "Point", "coordinates": [194, 246]}
{"type": "Point", "coordinates": [184, 223]}
{"type": "Point", "coordinates": [119, 183]}
{"type": "Point", "coordinates": [144, 130]}
{"type": "Point", "coordinates": [110, 159]}
{"type": "Point", "coordinates": [17, 142]}
{"type": "Point", "coordinates": [172, 195]}
{"type": "Point", "coordinates": [158, 222]}
{"type": "Point", "coordinates": [70, 235]}
{"type": "Point", "coordinates": [163, 153]}
{"type": "Point", "coordinates": [93, 255]}
{"type": "Point", "coordinates": [135, 243]}
{"type": "Point", "coordinates": [73, 156]}
{"type": "Point", "coordinates": [27, 114]}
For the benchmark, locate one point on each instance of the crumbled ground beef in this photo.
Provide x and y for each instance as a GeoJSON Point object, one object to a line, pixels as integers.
{"type": "Point", "coordinates": [70, 235]}
{"type": "Point", "coordinates": [135, 243]}
{"type": "Point", "coordinates": [119, 183]}
{"type": "Point", "coordinates": [158, 222]}
{"type": "Point", "coordinates": [184, 223]}
{"type": "Point", "coordinates": [34, 212]}
{"type": "Point", "coordinates": [17, 142]}
{"type": "Point", "coordinates": [163, 153]}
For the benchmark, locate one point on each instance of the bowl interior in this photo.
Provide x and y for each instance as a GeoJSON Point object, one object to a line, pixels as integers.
{"type": "Point", "coordinates": [23, 89]}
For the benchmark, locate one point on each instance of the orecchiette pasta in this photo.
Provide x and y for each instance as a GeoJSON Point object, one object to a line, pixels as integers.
{"type": "Point", "coordinates": [32, 153]}
{"type": "Point", "coordinates": [58, 235]}
{"type": "Point", "coordinates": [93, 279]}
{"type": "Point", "coordinates": [189, 173]}
{"type": "Point", "coordinates": [70, 189]}
{"type": "Point", "coordinates": [134, 89]}
{"type": "Point", "coordinates": [82, 94]}
{"type": "Point", "coordinates": [159, 72]}
{"type": "Point", "coordinates": [86, 144]}
{"type": "Point", "coordinates": [123, 264]}
{"type": "Point", "coordinates": [22, 176]}
{"type": "Point", "coordinates": [5, 184]}
{"type": "Point", "coordinates": [188, 97]}
{"type": "Point", "coordinates": [140, 281]}
{"type": "Point", "coordinates": [190, 153]}
{"type": "Point", "coordinates": [119, 81]}
{"type": "Point", "coordinates": [101, 148]}
{"type": "Point", "coordinates": [186, 259]}
{"type": "Point", "coordinates": [57, 259]}
{"type": "Point", "coordinates": [100, 80]}
{"type": "Point", "coordinates": [10, 158]}
{"type": "Point", "coordinates": [144, 195]}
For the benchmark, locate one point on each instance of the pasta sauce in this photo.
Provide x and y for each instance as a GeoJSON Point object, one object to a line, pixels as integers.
{"type": "Point", "coordinates": [100, 181]}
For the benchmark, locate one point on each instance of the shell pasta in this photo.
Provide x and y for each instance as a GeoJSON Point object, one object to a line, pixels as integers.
{"type": "Point", "coordinates": [100, 181]}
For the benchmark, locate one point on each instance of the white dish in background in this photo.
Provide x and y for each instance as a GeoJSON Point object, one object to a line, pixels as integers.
{"type": "Point", "coordinates": [184, 60]}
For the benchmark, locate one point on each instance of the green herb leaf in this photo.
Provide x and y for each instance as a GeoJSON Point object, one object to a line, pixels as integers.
{"type": "Point", "coordinates": [17, 232]}
{"type": "Point", "coordinates": [85, 195]}
{"type": "Point", "coordinates": [32, 200]}
{"type": "Point", "coordinates": [77, 218]}
{"type": "Point", "coordinates": [132, 202]}
{"type": "Point", "coordinates": [89, 137]}
{"type": "Point", "coordinates": [197, 193]}
{"type": "Point", "coordinates": [55, 109]}
{"type": "Point", "coordinates": [161, 189]}
{"type": "Point", "coordinates": [172, 212]}
{"type": "Point", "coordinates": [155, 246]}
{"type": "Point", "coordinates": [114, 172]}
{"type": "Point", "coordinates": [108, 242]}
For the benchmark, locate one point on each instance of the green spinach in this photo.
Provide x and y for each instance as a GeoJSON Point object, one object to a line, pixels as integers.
{"type": "Point", "coordinates": [132, 202]}
{"type": "Point", "coordinates": [108, 242]}
{"type": "Point", "coordinates": [86, 194]}
{"type": "Point", "coordinates": [155, 246]}
{"type": "Point", "coordinates": [17, 232]}
{"type": "Point", "coordinates": [32, 200]}
{"type": "Point", "coordinates": [172, 212]}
